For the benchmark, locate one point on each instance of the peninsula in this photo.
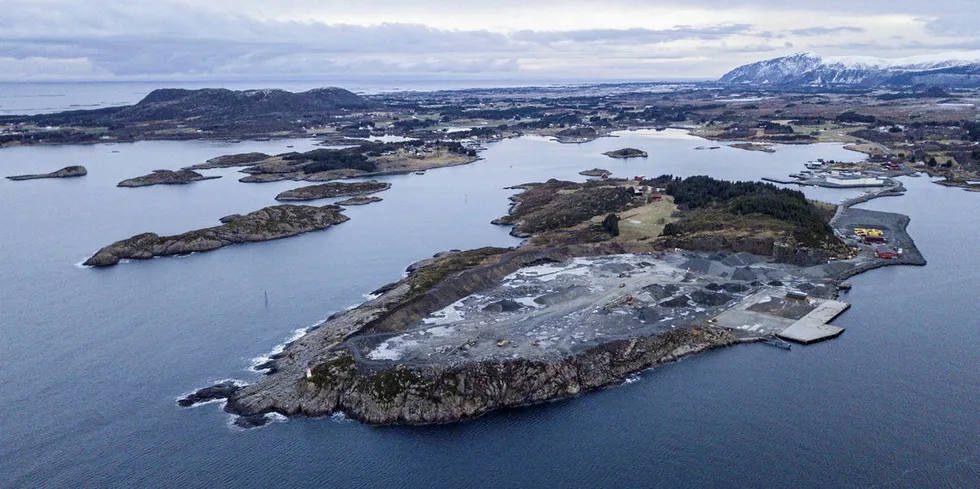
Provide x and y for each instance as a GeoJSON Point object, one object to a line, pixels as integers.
{"type": "Point", "coordinates": [612, 279]}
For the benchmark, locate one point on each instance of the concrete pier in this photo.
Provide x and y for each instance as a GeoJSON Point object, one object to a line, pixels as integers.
{"type": "Point", "coordinates": [813, 327]}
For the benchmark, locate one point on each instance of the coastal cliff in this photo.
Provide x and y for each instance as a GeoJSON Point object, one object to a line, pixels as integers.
{"type": "Point", "coordinates": [266, 224]}
{"type": "Point", "coordinates": [426, 395]}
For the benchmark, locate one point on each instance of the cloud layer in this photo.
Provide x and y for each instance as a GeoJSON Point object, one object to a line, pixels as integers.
{"type": "Point", "coordinates": [297, 39]}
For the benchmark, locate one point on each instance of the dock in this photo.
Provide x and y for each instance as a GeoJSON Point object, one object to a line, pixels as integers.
{"type": "Point", "coordinates": [813, 327]}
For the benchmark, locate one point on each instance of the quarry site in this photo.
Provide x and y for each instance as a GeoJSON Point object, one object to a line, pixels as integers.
{"type": "Point", "coordinates": [553, 310]}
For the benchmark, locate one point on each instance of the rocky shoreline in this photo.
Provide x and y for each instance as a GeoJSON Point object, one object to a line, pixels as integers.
{"type": "Point", "coordinates": [439, 395]}
{"type": "Point", "coordinates": [266, 224]}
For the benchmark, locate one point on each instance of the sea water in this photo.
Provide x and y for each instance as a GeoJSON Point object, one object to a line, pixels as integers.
{"type": "Point", "coordinates": [93, 360]}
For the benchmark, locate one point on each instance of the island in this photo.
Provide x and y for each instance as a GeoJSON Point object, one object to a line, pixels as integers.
{"type": "Point", "coordinates": [66, 172]}
{"type": "Point", "coordinates": [595, 172]}
{"type": "Point", "coordinates": [165, 177]}
{"type": "Point", "coordinates": [333, 189]}
{"type": "Point", "coordinates": [275, 222]}
{"type": "Point", "coordinates": [360, 200]}
{"type": "Point", "coordinates": [363, 160]}
{"type": "Point", "coordinates": [765, 148]}
{"type": "Point", "coordinates": [228, 161]}
{"type": "Point", "coordinates": [613, 279]}
{"type": "Point", "coordinates": [576, 135]}
{"type": "Point", "coordinates": [626, 153]}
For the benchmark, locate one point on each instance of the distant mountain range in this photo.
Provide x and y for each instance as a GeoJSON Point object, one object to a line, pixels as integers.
{"type": "Point", "coordinates": [955, 69]}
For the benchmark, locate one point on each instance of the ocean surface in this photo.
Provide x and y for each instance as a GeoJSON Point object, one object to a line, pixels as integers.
{"type": "Point", "coordinates": [93, 360]}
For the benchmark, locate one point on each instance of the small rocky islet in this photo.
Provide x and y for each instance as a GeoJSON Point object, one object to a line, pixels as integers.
{"type": "Point", "coordinates": [275, 222]}
{"type": "Point", "coordinates": [66, 172]}
{"type": "Point", "coordinates": [332, 190]}
{"type": "Point", "coordinates": [360, 200]}
{"type": "Point", "coordinates": [165, 177]}
{"type": "Point", "coordinates": [626, 153]}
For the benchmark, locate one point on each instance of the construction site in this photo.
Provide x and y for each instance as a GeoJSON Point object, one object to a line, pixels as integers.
{"type": "Point", "coordinates": [554, 310]}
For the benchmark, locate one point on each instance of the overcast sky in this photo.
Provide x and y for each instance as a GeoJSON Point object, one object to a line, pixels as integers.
{"type": "Point", "coordinates": [504, 39]}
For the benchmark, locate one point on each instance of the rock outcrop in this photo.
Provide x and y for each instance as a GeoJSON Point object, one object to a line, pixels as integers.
{"type": "Point", "coordinates": [66, 172]}
{"type": "Point", "coordinates": [626, 153]}
{"type": "Point", "coordinates": [165, 177]}
{"type": "Point", "coordinates": [333, 189]}
{"type": "Point", "coordinates": [266, 224]}
{"type": "Point", "coordinates": [215, 392]}
{"type": "Point", "coordinates": [360, 200]}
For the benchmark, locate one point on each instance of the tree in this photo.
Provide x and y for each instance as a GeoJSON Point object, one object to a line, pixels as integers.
{"type": "Point", "coordinates": [932, 161]}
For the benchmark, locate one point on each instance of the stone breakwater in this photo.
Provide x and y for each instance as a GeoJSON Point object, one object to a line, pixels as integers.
{"type": "Point", "coordinates": [266, 224]}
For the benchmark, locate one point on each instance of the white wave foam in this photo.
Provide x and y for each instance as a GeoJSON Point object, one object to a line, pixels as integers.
{"type": "Point", "coordinates": [82, 264]}
{"type": "Point", "coordinates": [212, 401]}
{"type": "Point", "coordinates": [235, 382]}
{"type": "Point", "coordinates": [297, 334]}
{"type": "Point", "coordinates": [276, 418]}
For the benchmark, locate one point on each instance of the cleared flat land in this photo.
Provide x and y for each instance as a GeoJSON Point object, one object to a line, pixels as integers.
{"type": "Point", "coordinates": [553, 310]}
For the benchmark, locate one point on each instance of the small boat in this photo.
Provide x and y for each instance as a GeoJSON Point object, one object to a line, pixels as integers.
{"type": "Point", "coordinates": [778, 343]}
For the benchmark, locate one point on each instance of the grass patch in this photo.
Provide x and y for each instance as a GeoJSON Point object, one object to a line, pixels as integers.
{"type": "Point", "coordinates": [430, 275]}
{"type": "Point", "coordinates": [331, 371]}
{"type": "Point", "coordinates": [388, 384]}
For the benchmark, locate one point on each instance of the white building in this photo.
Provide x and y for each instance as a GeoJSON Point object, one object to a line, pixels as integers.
{"type": "Point", "coordinates": [855, 181]}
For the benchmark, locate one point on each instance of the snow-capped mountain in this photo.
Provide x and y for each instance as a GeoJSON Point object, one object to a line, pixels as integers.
{"type": "Point", "coordinates": [955, 69]}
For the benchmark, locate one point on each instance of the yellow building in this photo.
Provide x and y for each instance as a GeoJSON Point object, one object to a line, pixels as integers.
{"type": "Point", "coordinates": [869, 232]}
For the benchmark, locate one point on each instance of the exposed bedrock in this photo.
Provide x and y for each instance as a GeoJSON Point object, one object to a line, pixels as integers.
{"type": "Point", "coordinates": [432, 394]}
